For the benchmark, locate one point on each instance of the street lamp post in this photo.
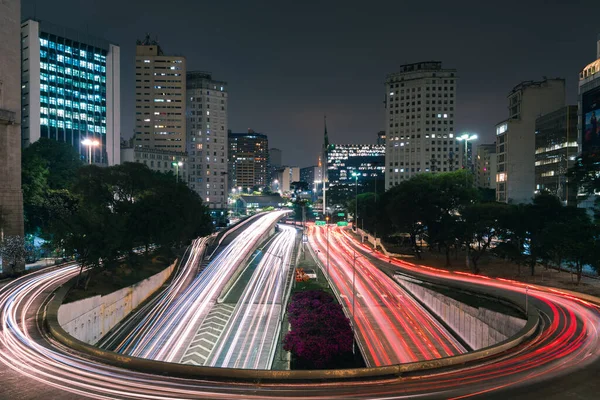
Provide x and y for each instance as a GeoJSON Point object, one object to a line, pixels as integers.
{"type": "Point", "coordinates": [466, 137]}
{"type": "Point", "coordinates": [355, 175]}
{"type": "Point", "coordinates": [177, 165]}
{"type": "Point", "coordinates": [327, 235]}
{"type": "Point", "coordinates": [89, 143]}
{"type": "Point", "coordinates": [356, 256]}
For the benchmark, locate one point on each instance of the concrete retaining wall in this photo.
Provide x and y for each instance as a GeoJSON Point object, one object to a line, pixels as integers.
{"type": "Point", "coordinates": [478, 327]}
{"type": "Point", "coordinates": [89, 319]}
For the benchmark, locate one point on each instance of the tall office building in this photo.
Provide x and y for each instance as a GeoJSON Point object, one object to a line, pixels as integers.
{"type": "Point", "coordinates": [11, 198]}
{"type": "Point", "coordinates": [589, 113]}
{"type": "Point", "coordinates": [207, 138]}
{"type": "Point", "coordinates": [515, 144]}
{"type": "Point", "coordinates": [70, 89]}
{"type": "Point", "coordinates": [248, 158]}
{"type": "Point", "coordinates": [555, 152]}
{"type": "Point", "coordinates": [275, 163]}
{"type": "Point", "coordinates": [160, 100]}
{"type": "Point", "coordinates": [486, 166]}
{"type": "Point", "coordinates": [420, 101]}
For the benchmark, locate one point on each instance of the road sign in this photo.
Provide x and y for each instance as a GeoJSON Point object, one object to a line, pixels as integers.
{"type": "Point", "coordinates": [341, 214]}
{"type": "Point", "coordinates": [319, 223]}
{"type": "Point", "coordinates": [342, 223]}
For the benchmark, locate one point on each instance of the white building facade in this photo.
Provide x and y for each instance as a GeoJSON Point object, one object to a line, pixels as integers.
{"type": "Point", "coordinates": [420, 113]}
{"type": "Point", "coordinates": [515, 137]}
{"type": "Point", "coordinates": [207, 138]}
{"type": "Point", "coordinates": [70, 89]}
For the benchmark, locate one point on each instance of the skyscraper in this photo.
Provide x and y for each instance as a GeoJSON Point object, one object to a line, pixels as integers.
{"type": "Point", "coordinates": [515, 144]}
{"type": "Point", "coordinates": [11, 198]}
{"type": "Point", "coordinates": [420, 112]}
{"type": "Point", "coordinates": [160, 100]}
{"type": "Point", "coordinates": [589, 113]}
{"type": "Point", "coordinates": [248, 156]}
{"type": "Point", "coordinates": [71, 89]}
{"type": "Point", "coordinates": [207, 138]}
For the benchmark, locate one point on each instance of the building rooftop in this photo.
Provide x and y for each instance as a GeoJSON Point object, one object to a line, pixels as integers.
{"type": "Point", "coordinates": [71, 34]}
{"type": "Point", "coordinates": [529, 84]}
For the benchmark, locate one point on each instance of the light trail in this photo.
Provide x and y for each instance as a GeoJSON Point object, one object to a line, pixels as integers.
{"type": "Point", "coordinates": [392, 326]}
{"type": "Point", "coordinates": [567, 347]}
{"type": "Point", "coordinates": [166, 334]}
{"type": "Point", "coordinates": [251, 334]}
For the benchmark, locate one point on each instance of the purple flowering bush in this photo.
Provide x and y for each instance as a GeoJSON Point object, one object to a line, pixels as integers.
{"type": "Point", "coordinates": [319, 329]}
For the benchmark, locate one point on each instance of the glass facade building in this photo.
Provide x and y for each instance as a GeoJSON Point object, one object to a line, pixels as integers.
{"type": "Point", "coordinates": [368, 160]}
{"type": "Point", "coordinates": [70, 90]}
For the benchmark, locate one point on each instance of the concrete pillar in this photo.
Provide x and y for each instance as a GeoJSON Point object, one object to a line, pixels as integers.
{"type": "Point", "coordinates": [11, 197]}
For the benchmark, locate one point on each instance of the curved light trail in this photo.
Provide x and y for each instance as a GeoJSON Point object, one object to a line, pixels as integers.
{"type": "Point", "coordinates": [567, 346]}
{"type": "Point", "coordinates": [165, 335]}
{"type": "Point", "coordinates": [393, 328]}
{"type": "Point", "coordinates": [249, 340]}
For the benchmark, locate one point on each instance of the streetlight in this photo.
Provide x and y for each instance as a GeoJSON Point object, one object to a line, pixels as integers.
{"type": "Point", "coordinates": [177, 165]}
{"type": "Point", "coordinates": [356, 256]}
{"type": "Point", "coordinates": [327, 235]}
{"type": "Point", "coordinates": [234, 201]}
{"type": "Point", "coordinates": [355, 175]}
{"type": "Point", "coordinates": [466, 137]}
{"type": "Point", "coordinates": [89, 143]}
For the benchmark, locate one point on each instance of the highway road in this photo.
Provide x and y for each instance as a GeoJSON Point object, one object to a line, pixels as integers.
{"type": "Point", "coordinates": [561, 361]}
{"type": "Point", "coordinates": [166, 334]}
{"type": "Point", "coordinates": [249, 340]}
{"type": "Point", "coordinates": [390, 325]}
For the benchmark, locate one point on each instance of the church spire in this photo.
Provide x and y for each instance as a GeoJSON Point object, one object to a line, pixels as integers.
{"type": "Point", "coordinates": [325, 138]}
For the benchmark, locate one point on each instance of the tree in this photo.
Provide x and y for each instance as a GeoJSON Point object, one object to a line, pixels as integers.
{"type": "Point", "coordinates": [580, 241]}
{"type": "Point", "coordinates": [47, 165]}
{"type": "Point", "coordinates": [483, 224]}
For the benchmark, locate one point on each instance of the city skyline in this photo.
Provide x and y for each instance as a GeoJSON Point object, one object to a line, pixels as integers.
{"type": "Point", "coordinates": [304, 67]}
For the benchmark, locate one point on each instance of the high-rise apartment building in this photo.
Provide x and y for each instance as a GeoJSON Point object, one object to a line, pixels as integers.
{"type": "Point", "coordinates": [207, 138]}
{"type": "Point", "coordinates": [486, 166]}
{"type": "Point", "coordinates": [555, 152]}
{"type": "Point", "coordinates": [420, 101]}
{"type": "Point", "coordinates": [515, 143]}
{"type": "Point", "coordinates": [11, 198]}
{"type": "Point", "coordinates": [160, 100]}
{"type": "Point", "coordinates": [248, 159]}
{"type": "Point", "coordinates": [312, 176]}
{"type": "Point", "coordinates": [589, 114]}
{"type": "Point", "coordinates": [70, 89]}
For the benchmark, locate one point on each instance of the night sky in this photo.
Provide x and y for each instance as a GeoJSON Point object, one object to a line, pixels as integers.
{"type": "Point", "coordinates": [289, 64]}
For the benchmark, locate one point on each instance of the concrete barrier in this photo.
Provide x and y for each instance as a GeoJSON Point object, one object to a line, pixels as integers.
{"type": "Point", "coordinates": [477, 326]}
{"type": "Point", "coordinates": [89, 319]}
{"type": "Point", "coordinates": [235, 374]}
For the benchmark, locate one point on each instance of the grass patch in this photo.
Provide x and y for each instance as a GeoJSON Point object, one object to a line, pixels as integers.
{"type": "Point", "coordinates": [106, 281]}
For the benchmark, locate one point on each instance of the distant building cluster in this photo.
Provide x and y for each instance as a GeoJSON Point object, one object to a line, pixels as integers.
{"type": "Point", "coordinates": [70, 92]}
